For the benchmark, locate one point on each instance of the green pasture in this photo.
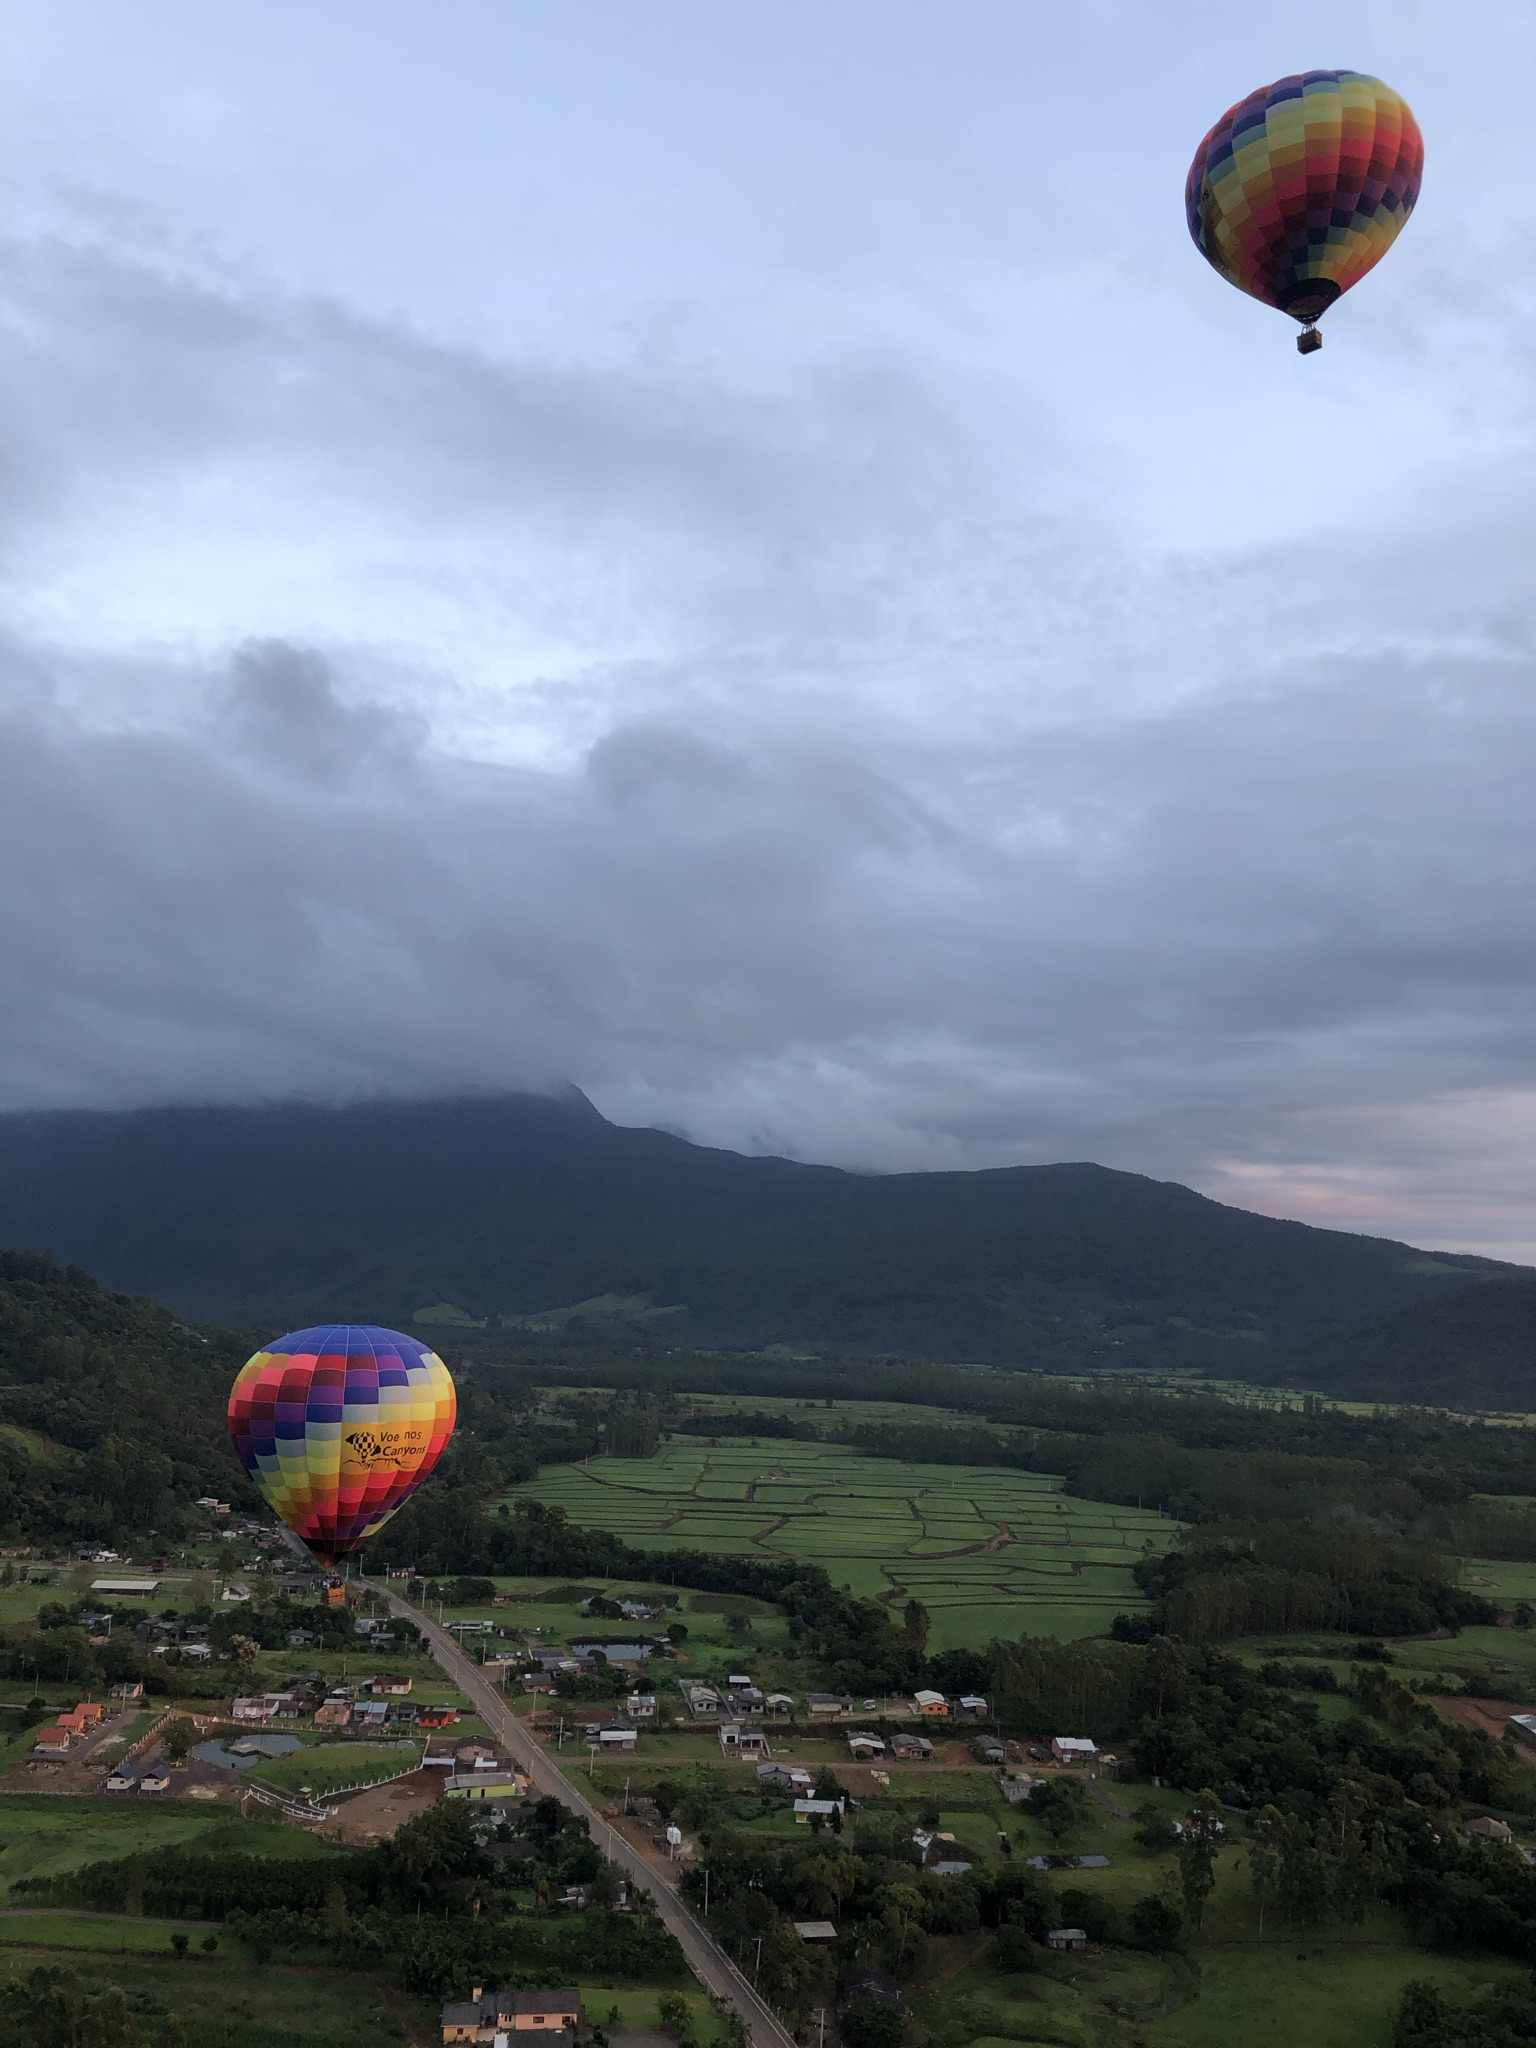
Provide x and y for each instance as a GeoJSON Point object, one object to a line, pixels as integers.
{"type": "Point", "coordinates": [334, 1766]}
{"type": "Point", "coordinates": [234, 2002]}
{"type": "Point", "coordinates": [1325, 1993]}
{"type": "Point", "coordinates": [41, 1835]}
{"type": "Point", "coordinates": [987, 1551]}
{"type": "Point", "coordinates": [106, 1932]}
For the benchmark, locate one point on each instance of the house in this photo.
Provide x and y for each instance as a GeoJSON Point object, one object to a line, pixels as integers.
{"type": "Point", "coordinates": [821, 1704]}
{"type": "Point", "coordinates": [784, 1778]}
{"type": "Point", "coordinates": [738, 1741]}
{"type": "Point", "coordinates": [257, 1707]}
{"type": "Point", "coordinates": [990, 1751]}
{"type": "Point", "coordinates": [807, 1810]}
{"type": "Point", "coordinates": [122, 1779]}
{"type": "Point", "coordinates": [746, 1699]}
{"type": "Point", "coordinates": [126, 1588]}
{"type": "Point", "coordinates": [437, 1760]}
{"type": "Point", "coordinates": [780, 1703]}
{"type": "Point", "coordinates": [52, 1741]}
{"type": "Point", "coordinates": [1490, 1829]}
{"type": "Point", "coordinates": [932, 1705]}
{"type": "Point", "coordinates": [702, 1701]}
{"type": "Point", "coordinates": [333, 1714]}
{"type": "Point", "coordinates": [470, 1756]}
{"type": "Point", "coordinates": [862, 1745]}
{"type": "Point", "coordinates": [397, 1688]}
{"type": "Point", "coordinates": [155, 1780]}
{"type": "Point", "coordinates": [236, 1594]}
{"type": "Point", "coordinates": [131, 1689]}
{"type": "Point", "coordinates": [486, 2014]}
{"type": "Point", "coordinates": [1017, 1787]}
{"type": "Point", "coordinates": [437, 1717]}
{"type": "Point", "coordinates": [619, 1740]}
{"type": "Point", "coordinates": [638, 1610]}
{"type": "Point", "coordinates": [815, 1930]}
{"type": "Point", "coordinates": [486, 1785]}
{"type": "Point", "coordinates": [1073, 1749]}
{"type": "Point", "coordinates": [912, 1748]}
{"type": "Point", "coordinates": [950, 1866]}
{"type": "Point", "coordinates": [739, 1681]}
{"type": "Point", "coordinates": [197, 1653]}
{"type": "Point", "coordinates": [641, 1706]}
{"type": "Point", "coordinates": [973, 1703]}
{"type": "Point", "coordinates": [90, 1712]}
{"type": "Point", "coordinates": [1522, 1727]}
{"type": "Point", "coordinates": [1066, 1938]}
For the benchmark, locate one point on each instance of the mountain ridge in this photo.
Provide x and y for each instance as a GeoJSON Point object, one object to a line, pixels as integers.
{"type": "Point", "coordinates": [522, 1206]}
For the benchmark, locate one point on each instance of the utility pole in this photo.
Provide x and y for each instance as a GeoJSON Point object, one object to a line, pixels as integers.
{"type": "Point", "coordinates": [758, 1959]}
{"type": "Point", "coordinates": [706, 1891]}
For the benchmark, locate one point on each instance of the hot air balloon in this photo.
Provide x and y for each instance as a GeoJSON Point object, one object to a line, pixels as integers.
{"type": "Point", "coordinates": [1302, 188]}
{"type": "Point", "coordinates": [338, 1426]}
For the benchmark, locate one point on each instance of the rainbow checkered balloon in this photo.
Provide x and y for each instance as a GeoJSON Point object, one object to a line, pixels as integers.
{"type": "Point", "coordinates": [338, 1426]}
{"type": "Point", "coordinates": [1302, 187]}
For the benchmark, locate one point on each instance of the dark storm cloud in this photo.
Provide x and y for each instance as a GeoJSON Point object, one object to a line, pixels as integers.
{"type": "Point", "coordinates": [895, 807]}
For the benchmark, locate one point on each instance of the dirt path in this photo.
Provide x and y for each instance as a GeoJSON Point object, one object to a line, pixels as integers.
{"type": "Point", "coordinates": [1101, 1797]}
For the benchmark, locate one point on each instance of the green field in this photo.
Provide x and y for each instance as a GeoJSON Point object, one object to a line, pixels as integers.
{"type": "Point", "coordinates": [335, 1766]}
{"type": "Point", "coordinates": [41, 1836]}
{"type": "Point", "coordinates": [988, 1551]}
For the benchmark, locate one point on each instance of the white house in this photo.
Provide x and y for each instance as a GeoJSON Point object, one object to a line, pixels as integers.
{"type": "Point", "coordinates": [861, 1745]}
{"type": "Point", "coordinates": [1073, 1749]}
{"type": "Point", "coordinates": [808, 1809]}
{"type": "Point", "coordinates": [973, 1703]}
{"type": "Point", "coordinates": [641, 1706]}
{"type": "Point", "coordinates": [621, 1740]}
{"type": "Point", "coordinates": [738, 1741]}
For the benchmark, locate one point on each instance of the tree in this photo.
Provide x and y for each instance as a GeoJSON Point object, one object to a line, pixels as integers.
{"type": "Point", "coordinates": [914, 1623]}
{"type": "Point", "coordinates": [178, 1737]}
{"type": "Point", "coordinates": [677, 1632]}
{"type": "Point", "coordinates": [1015, 1948]}
{"type": "Point", "coordinates": [866, 2022]}
{"type": "Point", "coordinates": [1264, 1862]}
{"type": "Point", "coordinates": [210, 1943]}
{"type": "Point", "coordinates": [1197, 1858]}
{"type": "Point", "coordinates": [1155, 1922]}
{"type": "Point", "coordinates": [1061, 1805]}
{"type": "Point", "coordinates": [180, 1943]}
{"type": "Point", "coordinates": [672, 2015]}
{"type": "Point", "coordinates": [1525, 1614]}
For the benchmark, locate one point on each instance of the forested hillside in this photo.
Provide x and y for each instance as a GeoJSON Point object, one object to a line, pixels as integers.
{"type": "Point", "coordinates": [528, 1216]}
{"type": "Point", "coordinates": [111, 1410]}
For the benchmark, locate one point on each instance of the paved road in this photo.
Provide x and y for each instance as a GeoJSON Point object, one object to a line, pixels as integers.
{"type": "Point", "coordinates": [708, 1961]}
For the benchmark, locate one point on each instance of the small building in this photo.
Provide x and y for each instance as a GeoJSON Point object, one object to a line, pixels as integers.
{"type": "Point", "coordinates": [471, 1756]}
{"type": "Point", "coordinates": [912, 1748]}
{"type": "Point", "coordinates": [333, 1714]}
{"type": "Point", "coordinates": [52, 1741]}
{"type": "Point", "coordinates": [256, 1707]}
{"type": "Point", "coordinates": [1522, 1727]}
{"type": "Point", "coordinates": [747, 1700]}
{"type": "Point", "coordinates": [932, 1705]}
{"type": "Point", "coordinates": [126, 1589]}
{"type": "Point", "coordinates": [437, 1717]}
{"type": "Point", "coordinates": [1066, 1939]}
{"type": "Point", "coordinates": [437, 1760]}
{"type": "Point", "coordinates": [1073, 1749]}
{"type": "Point", "coordinates": [738, 1741]}
{"type": "Point", "coordinates": [702, 1701]}
{"type": "Point", "coordinates": [621, 1741]}
{"type": "Point", "coordinates": [640, 1706]}
{"type": "Point", "coordinates": [155, 1780]}
{"type": "Point", "coordinates": [784, 1778]}
{"type": "Point", "coordinates": [1491, 1830]}
{"type": "Point", "coordinates": [396, 1688]}
{"type": "Point", "coordinates": [237, 1595]}
{"type": "Point", "coordinates": [490, 2016]}
{"type": "Point", "coordinates": [739, 1681]}
{"type": "Point", "coordinates": [973, 1703]}
{"type": "Point", "coordinates": [815, 1930]}
{"type": "Point", "coordinates": [197, 1653]}
{"type": "Point", "coordinates": [863, 1746]}
{"type": "Point", "coordinates": [820, 1705]}
{"type": "Point", "coordinates": [131, 1689]}
{"type": "Point", "coordinates": [486, 1785]}
{"type": "Point", "coordinates": [780, 1703]}
{"type": "Point", "coordinates": [122, 1780]}
{"type": "Point", "coordinates": [951, 1866]}
{"type": "Point", "coordinates": [990, 1751]}
{"type": "Point", "coordinates": [807, 1810]}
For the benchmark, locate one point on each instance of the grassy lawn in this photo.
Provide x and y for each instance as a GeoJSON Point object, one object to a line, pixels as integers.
{"type": "Point", "coordinates": [235, 2003]}
{"type": "Point", "coordinates": [41, 1836]}
{"type": "Point", "coordinates": [108, 1933]}
{"type": "Point", "coordinates": [990, 1552]}
{"type": "Point", "coordinates": [334, 1766]}
{"type": "Point", "coordinates": [1289, 1994]}
{"type": "Point", "coordinates": [1505, 1657]}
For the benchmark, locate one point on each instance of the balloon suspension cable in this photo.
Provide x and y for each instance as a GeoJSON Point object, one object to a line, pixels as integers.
{"type": "Point", "coordinates": [1309, 341]}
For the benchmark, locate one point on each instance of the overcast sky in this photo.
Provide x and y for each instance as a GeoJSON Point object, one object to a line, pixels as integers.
{"type": "Point", "coordinates": [738, 556]}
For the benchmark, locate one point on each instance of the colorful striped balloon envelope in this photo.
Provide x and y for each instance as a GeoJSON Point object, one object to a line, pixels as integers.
{"type": "Point", "coordinates": [338, 1426]}
{"type": "Point", "coordinates": [1303, 186]}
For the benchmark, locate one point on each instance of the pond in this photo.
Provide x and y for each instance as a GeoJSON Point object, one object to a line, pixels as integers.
{"type": "Point", "coordinates": [247, 1751]}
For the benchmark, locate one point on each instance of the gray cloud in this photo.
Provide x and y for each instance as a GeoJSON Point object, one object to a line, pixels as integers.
{"type": "Point", "coordinates": [865, 743]}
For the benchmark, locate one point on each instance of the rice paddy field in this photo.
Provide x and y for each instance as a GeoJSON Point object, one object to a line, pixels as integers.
{"type": "Point", "coordinates": [988, 1551]}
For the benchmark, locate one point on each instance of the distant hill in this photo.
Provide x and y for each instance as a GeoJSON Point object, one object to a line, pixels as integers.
{"type": "Point", "coordinates": [111, 1410]}
{"type": "Point", "coordinates": [1473, 1348]}
{"type": "Point", "coordinates": [527, 1214]}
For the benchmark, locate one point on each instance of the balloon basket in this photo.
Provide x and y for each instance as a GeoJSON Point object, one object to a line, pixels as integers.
{"type": "Point", "coordinates": [1308, 342]}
